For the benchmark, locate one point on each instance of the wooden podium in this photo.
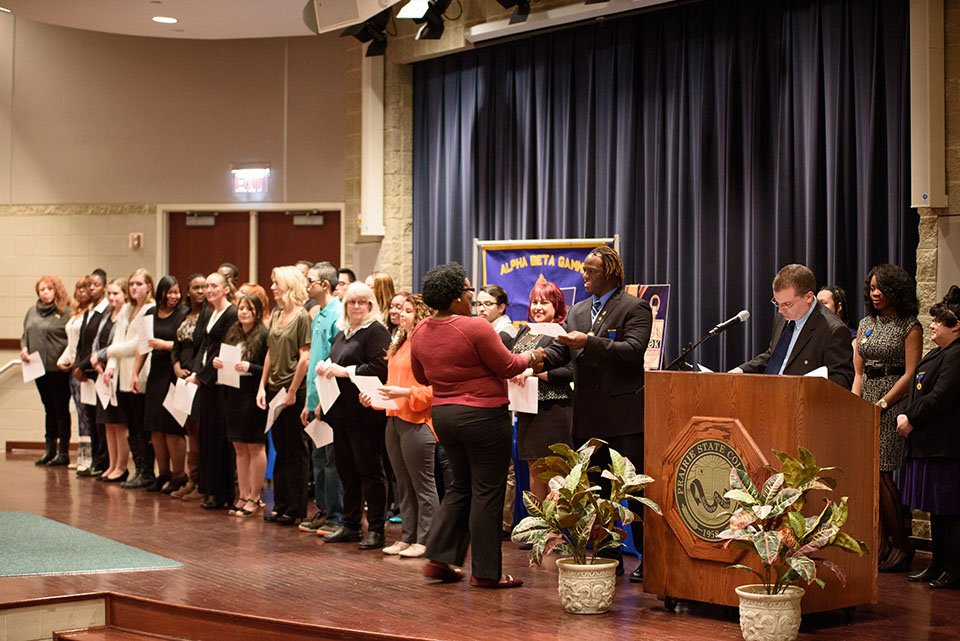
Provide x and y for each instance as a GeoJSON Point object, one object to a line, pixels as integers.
{"type": "Point", "coordinates": [697, 425]}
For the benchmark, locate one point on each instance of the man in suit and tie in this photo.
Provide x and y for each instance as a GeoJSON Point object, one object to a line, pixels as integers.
{"type": "Point", "coordinates": [607, 336]}
{"type": "Point", "coordinates": [806, 335]}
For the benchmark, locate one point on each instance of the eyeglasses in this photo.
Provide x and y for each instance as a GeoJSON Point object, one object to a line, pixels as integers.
{"type": "Point", "coordinates": [779, 306]}
{"type": "Point", "coordinates": [311, 281]}
{"type": "Point", "coordinates": [359, 302]}
{"type": "Point", "coordinates": [486, 303]}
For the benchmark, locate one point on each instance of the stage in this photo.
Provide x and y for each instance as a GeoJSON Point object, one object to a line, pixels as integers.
{"type": "Point", "coordinates": [251, 567]}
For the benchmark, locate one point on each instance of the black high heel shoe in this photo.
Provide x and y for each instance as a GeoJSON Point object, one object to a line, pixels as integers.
{"type": "Point", "coordinates": [898, 561]}
{"type": "Point", "coordinates": [926, 575]}
{"type": "Point", "coordinates": [119, 479]}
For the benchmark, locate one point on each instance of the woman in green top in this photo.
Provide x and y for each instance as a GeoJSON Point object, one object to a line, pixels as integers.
{"type": "Point", "coordinates": [285, 367]}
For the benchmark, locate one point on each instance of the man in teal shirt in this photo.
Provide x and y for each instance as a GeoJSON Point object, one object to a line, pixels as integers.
{"type": "Point", "coordinates": [328, 491]}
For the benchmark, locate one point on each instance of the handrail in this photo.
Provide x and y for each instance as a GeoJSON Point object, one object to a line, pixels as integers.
{"type": "Point", "coordinates": [15, 361]}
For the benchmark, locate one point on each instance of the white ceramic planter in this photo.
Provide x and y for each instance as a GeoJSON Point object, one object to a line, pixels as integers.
{"type": "Point", "coordinates": [769, 617]}
{"type": "Point", "coordinates": [586, 589]}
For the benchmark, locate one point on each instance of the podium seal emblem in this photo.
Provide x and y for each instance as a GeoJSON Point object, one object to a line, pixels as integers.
{"type": "Point", "coordinates": [701, 480]}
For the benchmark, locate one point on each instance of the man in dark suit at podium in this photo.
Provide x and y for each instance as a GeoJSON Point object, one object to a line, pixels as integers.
{"type": "Point", "coordinates": [806, 335]}
{"type": "Point", "coordinates": [607, 336]}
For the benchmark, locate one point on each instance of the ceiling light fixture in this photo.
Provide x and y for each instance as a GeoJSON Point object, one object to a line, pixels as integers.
{"type": "Point", "coordinates": [428, 14]}
{"type": "Point", "coordinates": [164, 20]}
{"type": "Point", "coordinates": [375, 30]}
{"type": "Point", "coordinates": [5, 10]}
{"type": "Point", "coordinates": [520, 13]}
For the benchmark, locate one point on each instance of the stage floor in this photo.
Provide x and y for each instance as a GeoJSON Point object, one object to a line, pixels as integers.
{"type": "Point", "coordinates": [248, 566]}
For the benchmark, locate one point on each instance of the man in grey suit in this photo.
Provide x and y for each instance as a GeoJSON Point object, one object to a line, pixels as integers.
{"type": "Point", "coordinates": [606, 340]}
{"type": "Point", "coordinates": [806, 335]}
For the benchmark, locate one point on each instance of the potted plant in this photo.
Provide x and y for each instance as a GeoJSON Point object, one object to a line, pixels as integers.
{"type": "Point", "coordinates": [576, 519]}
{"type": "Point", "coordinates": [769, 523]}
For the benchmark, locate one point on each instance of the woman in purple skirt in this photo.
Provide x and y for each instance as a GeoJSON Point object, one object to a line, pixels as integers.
{"type": "Point", "coordinates": [931, 425]}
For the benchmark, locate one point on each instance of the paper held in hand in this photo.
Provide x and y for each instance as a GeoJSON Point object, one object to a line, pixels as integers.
{"type": "Point", "coordinates": [547, 329]}
{"type": "Point", "coordinates": [104, 392]}
{"type": "Point", "coordinates": [319, 432]}
{"type": "Point", "coordinates": [228, 374]}
{"type": "Point", "coordinates": [169, 404]}
{"type": "Point", "coordinates": [275, 407]}
{"type": "Point", "coordinates": [328, 390]}
{"type": "Point", "coordinates": [145, 334]}
{"type": "Point", "coordinates": [33, 368]}
{"type": "Point", "coordinates": [88, 392]}
{"type": "Point", "coordinates": [370, 385]}
{"type": "Point", "coordinates": [183, 399]}
{"type": "Point", "coordinates": [524, 399]}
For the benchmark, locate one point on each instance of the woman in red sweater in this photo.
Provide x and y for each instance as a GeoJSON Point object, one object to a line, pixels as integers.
{"type": "Point", "coordinates": [464, 360]}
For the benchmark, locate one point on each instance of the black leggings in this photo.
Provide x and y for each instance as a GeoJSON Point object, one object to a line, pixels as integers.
{"type": "Point", "coordinates": [54, 388]}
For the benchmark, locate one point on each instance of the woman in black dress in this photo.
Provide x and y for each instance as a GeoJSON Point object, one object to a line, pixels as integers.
{"type": "Point", "coordinates": [553, 421]}
{"type": "Point", "coordinates": [216, 457]}
{"type": "Point", "coordinates": [182, 357]}
{"type": "Point", "coordinates": [930, 425]}
{"type": "Point", "coordinates": [166, 434]}
{"type": "Point", "coordinates": [245, 420]}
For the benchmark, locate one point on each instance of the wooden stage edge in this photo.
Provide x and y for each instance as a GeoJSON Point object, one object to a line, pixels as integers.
{"type": "Point", "coordinates": [266, 575]}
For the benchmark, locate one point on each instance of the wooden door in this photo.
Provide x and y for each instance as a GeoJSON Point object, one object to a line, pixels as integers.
{"type": "Point", "coordinates": [203, 249]}
{"type": "Point", "coordinates": [280, 242]}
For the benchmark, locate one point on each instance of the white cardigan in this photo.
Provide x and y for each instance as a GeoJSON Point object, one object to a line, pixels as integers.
{"type": "Point", "coordinates": [73, 337]}
{"type": "Point", "coordinates": [122, 352]}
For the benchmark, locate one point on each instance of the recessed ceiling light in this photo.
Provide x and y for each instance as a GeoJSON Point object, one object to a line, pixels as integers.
{"type": "Point", "coordinates": [165, 20]}
{"type": "Point", "coordinates": [5, 10]}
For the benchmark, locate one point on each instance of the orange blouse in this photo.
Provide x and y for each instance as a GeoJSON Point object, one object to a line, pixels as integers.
{"type": "Point", "coordinates": [416, 408]}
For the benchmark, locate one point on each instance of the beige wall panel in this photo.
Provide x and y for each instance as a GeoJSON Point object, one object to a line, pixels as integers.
{"type": "Point", "coordinates": [107, 118]}
{"type": "Point", "coordinates": [317, 105]}
{"type": "Point", "coordinates": [6, 61]}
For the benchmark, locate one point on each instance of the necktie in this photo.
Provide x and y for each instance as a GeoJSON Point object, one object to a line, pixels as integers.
{"type": "Point", "coordinates": [780, 351]}
{"type": "Point", "coordinates": [596, 309]}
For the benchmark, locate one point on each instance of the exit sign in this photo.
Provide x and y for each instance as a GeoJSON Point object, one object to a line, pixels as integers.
{"type": "Point", "coordinates": [251, 180]}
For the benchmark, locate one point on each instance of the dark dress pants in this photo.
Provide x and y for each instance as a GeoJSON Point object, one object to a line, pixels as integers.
{"type": "Point", "coordinates": [217, 459]}
{"type": "Point", "coordinates": [54, 389]}
{"type": "Point", "coordinates": [478, 442]}
{"type": "Point", "coordinates": [291, 468]}
{"type": "Point", "coordinates": [359, 449]}
{"type": "Point", "coordinates": [134, 407]}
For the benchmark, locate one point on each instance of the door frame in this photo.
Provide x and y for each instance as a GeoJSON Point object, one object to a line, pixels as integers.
{"type": "Point", "coordinates": [163, 224]}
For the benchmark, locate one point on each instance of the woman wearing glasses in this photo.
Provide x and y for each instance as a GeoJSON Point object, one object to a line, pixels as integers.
{"type": "Point", "coordinates": [464, 360]}
{"type": "Point", "coordinates": [929, 423]}
{"type": "Point", "coordinates": [886, 352]}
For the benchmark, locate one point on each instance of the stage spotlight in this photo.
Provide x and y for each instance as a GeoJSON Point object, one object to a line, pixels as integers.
{"type": "Point", "coordinates": [373, 31]}
{"type": "Point", "coordinates": [520, 13]}
{"type": "Point", "coordinates": [428, 14]}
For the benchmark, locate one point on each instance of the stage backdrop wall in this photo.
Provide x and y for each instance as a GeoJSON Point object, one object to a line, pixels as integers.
{"type": "Point", "coordinates": [720, 139]}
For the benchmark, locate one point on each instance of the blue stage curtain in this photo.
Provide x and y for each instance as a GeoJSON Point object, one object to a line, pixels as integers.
{"type": "Point", "coordinates": [720, 139]}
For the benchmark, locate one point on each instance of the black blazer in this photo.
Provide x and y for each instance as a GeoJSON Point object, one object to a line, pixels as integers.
{"type": "Point", "coordinates": [207, 344]}
{"type": "Point", "coordinates": [824, 340]}
{"type": "Point", "coordinates": [88, 334]}
{"type": "Point", "coordinates": [934, 409]}
{"type": "Point", "coordinates": [608, 371]}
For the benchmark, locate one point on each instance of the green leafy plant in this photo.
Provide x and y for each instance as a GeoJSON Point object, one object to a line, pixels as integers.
{"type": "Point", "coordinates": [575, 514]}
{"type": "Point", "coordinates": [768, 521]}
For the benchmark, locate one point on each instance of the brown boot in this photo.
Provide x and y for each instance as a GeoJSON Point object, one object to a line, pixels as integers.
{"type": "Point", "coordinates": [183, 491]}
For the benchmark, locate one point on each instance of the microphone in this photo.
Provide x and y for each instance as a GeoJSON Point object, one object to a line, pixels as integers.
{"type": "Point", "coordinates": [730, 322]}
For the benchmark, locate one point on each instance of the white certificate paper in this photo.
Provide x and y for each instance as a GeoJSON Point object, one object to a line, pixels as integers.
{"type": "Point", "coordinates": [104, 392]}
{"type": "Point", "coordinates": [820, 372]}
{"type": "Point", "coordinates": [183, 397]}
{"type": "Point", "coordinates": [328, 390]}
{"type": "Point", "coordinates": [274, 408]}
{"type": "Point", "coordinates": [169, 404]}
{"type": "Point", "coordinates": [33, 368]}
{"type": "Point", "coordinates": [88, 392]}
{"type": "Point", "coordinates": [145, 334]}
{"type": "Point", "coordinates": [319, 432]}
{"type": "Point", "coordinates": [547, 329]}
{"type": "Point", "coordinates": [370, 385]}
{"type": "Point", "coordinates": [228, 374]}
{"type": "Point", "coordinates": [524, 399]}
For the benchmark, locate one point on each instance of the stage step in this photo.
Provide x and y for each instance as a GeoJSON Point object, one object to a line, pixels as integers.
{"type": "Point", "coordinates": [108, 633]}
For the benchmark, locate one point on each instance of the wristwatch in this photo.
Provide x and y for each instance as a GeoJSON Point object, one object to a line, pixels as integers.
{"type": "Point", "coordinates": [882, 403]}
